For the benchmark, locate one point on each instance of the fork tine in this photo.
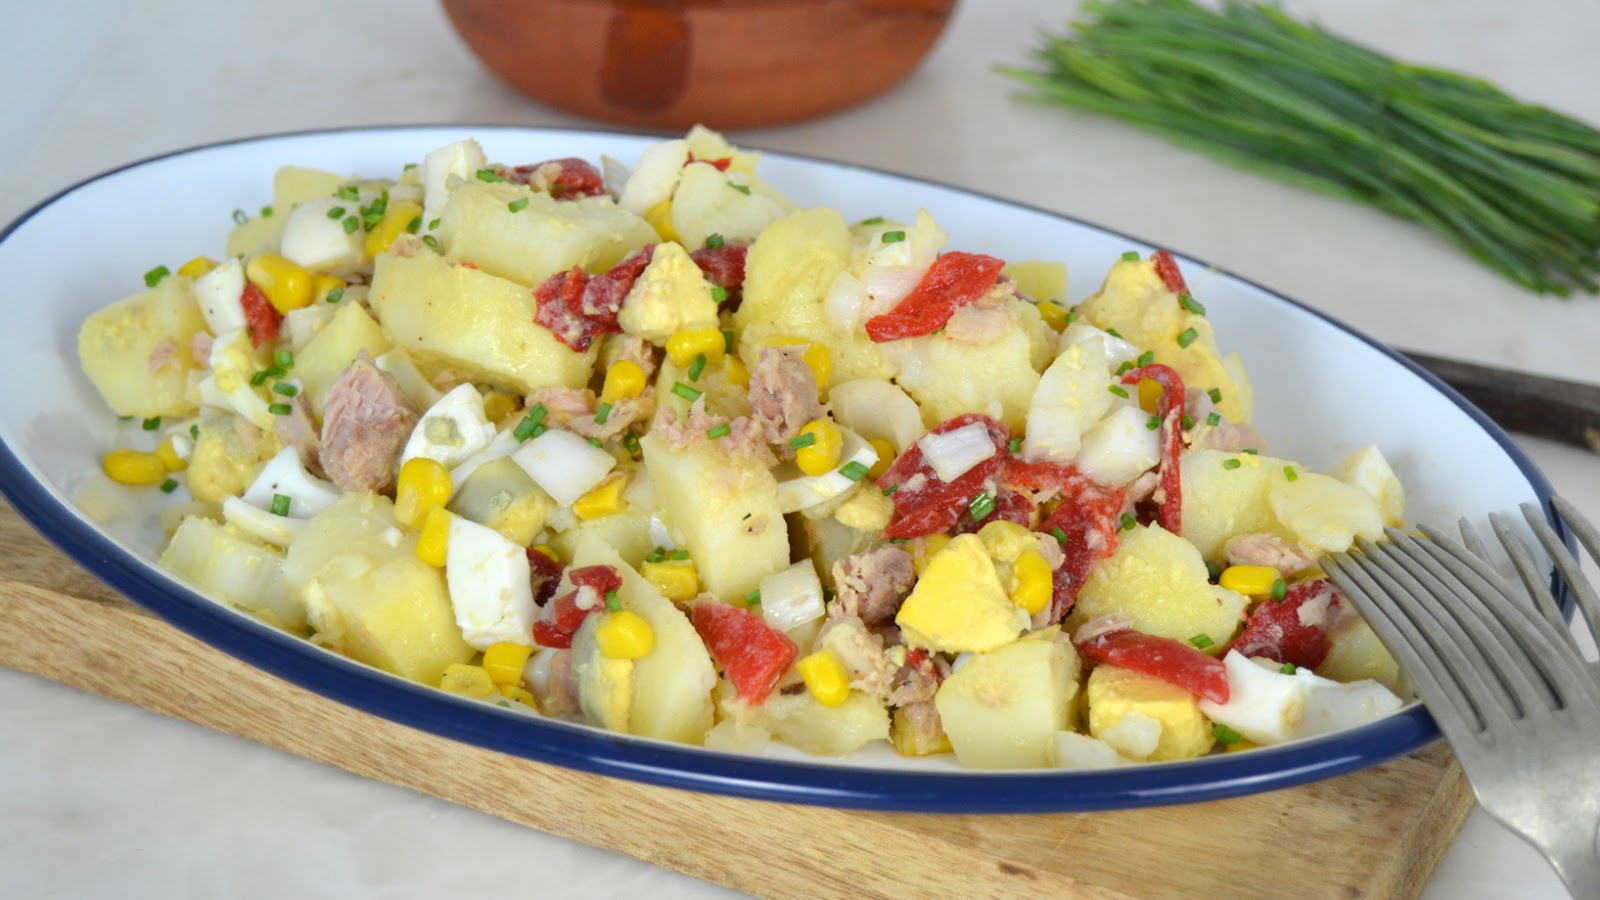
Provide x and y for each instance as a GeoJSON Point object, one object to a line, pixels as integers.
{"type": "Point", "coordinates": [1470, 539]}
{"type": "Point", "coordinates": [1480, 662]}
{"type": "Point", "coordinates": [1533, 578]}
{"type": "Point", "coordinates": [1588, 536]}
{"type": "Point", "coordinates": [1375, 596]}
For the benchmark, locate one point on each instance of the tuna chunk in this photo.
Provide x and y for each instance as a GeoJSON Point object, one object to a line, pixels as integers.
{"type": "Point", "coordinates": [1267, 550]}
{"type": "Point", "coordinates": [783, 393]}
{"type": "Point", "coordinates": [298, 429]}
{"type": "Point", "coordinates": [365, 424]}
{"type": "Point", "coordinates": [873, 585]}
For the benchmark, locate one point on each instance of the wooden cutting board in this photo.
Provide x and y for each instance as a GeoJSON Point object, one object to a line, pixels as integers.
{"type": "Point", "coordinates": [1377, 833]}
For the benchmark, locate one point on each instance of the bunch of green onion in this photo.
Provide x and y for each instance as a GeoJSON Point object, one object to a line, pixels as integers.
{"type": "Point", "coordinates": [1515, 185]}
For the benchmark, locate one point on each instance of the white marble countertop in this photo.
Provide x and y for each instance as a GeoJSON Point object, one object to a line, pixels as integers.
{"type": "Point", "coordinates": [100, 799]}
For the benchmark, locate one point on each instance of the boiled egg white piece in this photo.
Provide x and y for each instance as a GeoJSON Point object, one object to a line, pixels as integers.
{"type": "Point", "coordinates": [1267, 706]}
{"type": "Point", "coordinates": [452, 430]}
{"type": "Point", "coordinates": [285, 475]}
{"type": "Point", "coordinates": [805, 491]}
{"type": "Point", "coordinates": [461, 159]}
{"type": "Point", "coordinates": [315, 236]}
{"type": "Point", "coordinates": [564, 464]}
{"type": "Point", "coordinates": [234, 361]}
{"type": "Point", "coordinates": [218, 292]}
{"type": "Point", "coordinates": [488, 579]}
{"type": "Point", "coordinates": [1119, 447]}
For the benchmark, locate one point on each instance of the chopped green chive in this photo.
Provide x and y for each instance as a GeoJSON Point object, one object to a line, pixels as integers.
{"type": "Point", "coordinates": [1192, 305]}
{"type": "Point", "coordinates": [335, 295]}
{"type": "Point", "coordinates": [1280, 589]}
{"type": "Point", "coordinates": [1215, 394]}
{"type": "Point", "coordinates": [351, 224]}
{"type": "Point", "coordinates": [266, 212]}
{"type": "Point", "coordinates": [154, 276]}
{"type": "Point", "coordinates": [1059, 535]}
{"type": "Point", "coordinates": [1125, 368]}
{"type": "Point", "coordinates": [714, 242]}
{"type": "Point", "coordinates": [679, 554]}
{"type": "Point", "coordinates": [1014, 445]}
{"type": "Point", "coordinates": [853, 470]}
{"type": "Point", "coordinates": [717, 431]}
{"type": "Point", "coordinates": [169, 486]}
{"type": "Point", "coordinates": [1071, 317]}
{"type": "Point", "coordinates": [408, 167]}
{"type": "Point", "coordinates": [686, 392]}
{"type": "Point", "coordinates": [194, 432]}
{"type": "Point", "coordinates": [753, 598]}
{"type": "Point", "coordinates": [373, 214]}
{"type": "Point", "coordinates": [1146, 358]}
{"type": "Point", "coordinates": [1225, 735]}
{"type": "Point", "coordinates": [276, 371]}
{"type": "Point", "coordinates": [893, 237]}
{"type": "Point", "coordinates": [657, 555]}
{"type": "Point", "coordinates": [603, 413]}
{"type": "Point", "coordinates": [1290, 474]}
{"type": "Point", "coordinates": [1286, 669]}
{"type": "Point", "coordinates": [433, 224]}
{"type": "Point", "coordinates": [981, 506]}
{"type": "Point", "coordinates": [1128, 521]}
{"type": "Point", "coordinates": [800, 441]}
{"type": "Point", "coordinates": [875, 220]}
{"type": "Point", "coordinates": [432, 243]}
{"type": "Point", "coordinates": [415, 225]}
{"type": "Point", "coordinates": [1114, 333]}
{"type": "Point", "coordinates": [348, 192]}
{"type": "Point", "coordinates": [1213, 420]}
{"type": "Point", "coordinates": [1153, 423]}
{"type": "Point", "coordinates": [1130, 256]}
{"type": "Point", "coordinates": [1187, 337]}
{"type": "Point", "coordinates": [612, 603]}
{"type": "Point", "coordinates": [518, 205]}
{"type": "Point", "coordinates": [891, 489]}
{"type": "Point", "coordinates": [240, 217]}
{"type": "Point", "coordinates": [151, 424]}
{"type": "Point", "coordinates": [1230, 464]}
{"type": "Point", "coordinates": [630, 443]}
{"type": "Point", "coordinates": [490, 175]}
{"type": "Point", "coordinates": [719, 293]}
{"type": "Point", "coordinates": [727, 341]}
{"type": "Point", "coordinates": [597, 442]}
{"type": "Point", "coordinates": [1201, 641]}
{"type": "Point", "coordinates": [285, 388]}
{"type": "Point", "coordinates": [741, 188]}
{"type": "Point", "coordinates": [1212, 572]}
{"type": "Point", "coordinates": [1118, 390]}
{"type": "Point", "coordinates": [336, 212]}
{"type": "Point", "coordinates": [280, 504]}
{"type": "Point", "coordinates": [284, 358]}
{"type": "Point", "coordinates": [1250, 450]}
{"type": "Point", "coordinates": [696, 367]}
{"type": "Point", "coordinates": [1187, 422]}
{"type": "Point", "coordinates": [280, 409]}
{"type": "Point", "coordinates": [530, 426]}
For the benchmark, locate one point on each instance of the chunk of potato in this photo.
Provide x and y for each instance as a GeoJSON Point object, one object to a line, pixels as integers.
{"type": "Point", "coordinates": [725, 509]}
{"type": "Point", "coordinates": [788, 274]}
{"type": "Point", "coordinates": [542, 238]}
{"type": "Point", "coordinates": [291, 186]}
{"type": "Point", "coordinates": [346, 336]}
{"type": "Point", "coordinates": [1001, 708]}
{"type": "Point", "coordinates": [1225, 494]}
{"type": "Point", "coordinates": [136, 351]}
{"type": "Point", "coordinates": [801, 722]}
{"type": "Point", "coordinates": [1115, 693]}
{"type": "Point", "coordinates": [352, 524]}
{"type": "Point", "coordinates": [456, 317]}
{"type": "Point", "coordinates": [226, 563]}
{"type": "Point", "coordinates": [939, 372]}
{"type": "Point", "coordinates": [1160, 582]}
{"type": "Point", "coordinates": [1323, 513]}
{"type": "Point", "coordinates": [1369, 470]}
{"type": "Point", "coordinates": [1356, 653]}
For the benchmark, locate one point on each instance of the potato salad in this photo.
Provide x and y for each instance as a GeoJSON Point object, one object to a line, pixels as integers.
{"type": "Point", "coordinates": [650, 445]}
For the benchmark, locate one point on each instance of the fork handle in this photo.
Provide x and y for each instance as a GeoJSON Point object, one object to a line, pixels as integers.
{"type": "Point", "coordinates": [1556, 408]}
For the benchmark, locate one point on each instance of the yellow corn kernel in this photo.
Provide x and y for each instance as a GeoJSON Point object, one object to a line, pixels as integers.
{"type": "Point", "coordinates": [1053, 315]}
{"type": "Point", "coordinates": [624, 381]}
{"type": "Point", "coordinates": [825, 678]}
{"type": "Point", "coordinates": [423, 484]}
{"type": "Point", "coordinates": [928, 547]}
{"type": "Point", "coordinates": [520, 695]}
{"type": "Point", "coordinates": [1240, 744]}
{"type": "Point", "coordinates": [134, 467]}
{"type": "Point", "coordinates": [1031, 582]}
{"type": "Point", "coordinates": [737, 372]}
{"type": "Point", "coordinates": [625, 635]}
{"type": "Point", "coordinates": [908, 742]}
{"type": "Point", "coordinates": [1149, 394]}
{"type": "Point", "coordinates": [675, 579]}
{"type": "Point", "coordinates": [816, 355]}
{"type": "Point", "coordinates": [822, 455]}
{"type": "Point", "coordinates": [322, 285]}
{"type": "Point", "coordinates": [498, 404]}
{"type": "Point", "coordinates": [286, 285]}
{"type": "Point", "coordinates": [169, 456]}
{"type": "Point", "coordinates": [397, 220]}
{"type": "Point", "coordinates": [603, 500]}
{"type": "Point", "coordinates": [196, 267]}
{"type": "Point", "coordinates": [433, 544]}
{"type": "Point", "coordinates": [468, 681]}
{"type": "Point", "coordinates": [660, 218]}
{"type": "Point", "coordinates": [885, 457]}
{"type": "Point", "coordinates": [684, 346]}
{"type": "Point", "coordinates": [1252, 581]}
{"type": "Point", "coordinates": [548, 552]}
{"type": "Point", "coordinates": [504, 661]}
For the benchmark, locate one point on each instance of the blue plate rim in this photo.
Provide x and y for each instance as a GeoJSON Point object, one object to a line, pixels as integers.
{"type": "Point", "coordinates": [694, 769]}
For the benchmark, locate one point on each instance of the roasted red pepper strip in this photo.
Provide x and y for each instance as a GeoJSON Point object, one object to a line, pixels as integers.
{"type": "Point", "coordinates": [953, 281]}
{"type": "Point", "coordinates": [578, 307]}
{"type": "Point", "coordinates": [568, 178]}
{"type": "Point", "coordinates": [1161, 657]}
{"type": "Point", "coordinates": [749, 651]}
{"type": "Point", "coordinates": [927, 505]}
{"type": "Point", "coordinates": [723, 267]}
{"type": "Point", "coordinates": [1088, 516]}
{"type": "Point", "coordinates": [1167, 268]}
{"type": "Point", "coordinates": [259, 315]}
{"type": "Point", "coordinates": [1277, 630]}
{"type": "Point", "coordinates": [1170, 408]}
{"type": "Point", "coordinates": [563, 615]}
{"type": "Point", "coordinates": [544, 574]}
{"type": "Point", "coordinates": [721, 163]}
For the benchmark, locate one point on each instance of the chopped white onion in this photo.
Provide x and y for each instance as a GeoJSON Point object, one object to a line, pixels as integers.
{"type": "Point", "coordinates": [1120, 447]}
{"type": "Point", "coordinates": [954, 453]}
{"type": "Point", "coordinates": [876, 408]}
{"type": "Point", "coordinates": [846, 303]}
{"type": "Point", "coordinates": [792, 597]}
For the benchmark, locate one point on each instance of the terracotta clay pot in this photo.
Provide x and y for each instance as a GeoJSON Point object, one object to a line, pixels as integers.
{"type": "Point", "coordinates": [722, 63]}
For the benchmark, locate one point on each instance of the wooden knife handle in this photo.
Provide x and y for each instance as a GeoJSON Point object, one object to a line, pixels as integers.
{"type": "Point", "coordinates": [1555, 408]}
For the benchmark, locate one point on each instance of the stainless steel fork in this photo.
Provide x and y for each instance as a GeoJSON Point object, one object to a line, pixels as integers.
{"type": "Point", "coordinates": [1499, 670]}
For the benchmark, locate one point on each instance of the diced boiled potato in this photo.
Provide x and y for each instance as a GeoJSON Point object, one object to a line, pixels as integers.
{"type": "Point", "coordinates": [672, 684]}
{"type": "Point", "coordinates": [1225, 494]}
{"type": "Point", "coordinates": [136, 351]}
{"type": "Point", "coordinates": [1115, 694]}
{"type": "Point", "coordinates": [959, 604]}
{"type": "Point", "coordinates": [502, 496]}
{"type": "Point", "coordinates": [1039, 279]}
{"type": "Point", "coordinates": [415, 385]}
{"type": "Point", "coordinates": [350, 333]}
{"type": "Point", "coordinates": [827, 540]}
{"type": "Point", "coordinates": [704, 143]}
{"type": "Point", "coordinates": [627, 531]}
{"type": "Point", "coordinates": [723, 396]}
{"type": "Point", "coordinates": [227, 456]}
{"type": "Point", "coordinates": [876, 408]}
{"type": "Point", "coordinates": [788, 273]}
{"type": "Point", "coordinates": [457, 317]}
{"type": "Point", "coordinates": [1367, 469]}
{"type": "Point", "coordinates": [1159, 581]}
{"type": "Point", "coordinates": [224, 562]}
{"type": "Point", "coordinates": [353, 523]}
{"type": "Point", "coordinates": [605, 684]}
{"type": "Point", "coordinates": [726, 510]}
{"type": "Point", "coordinates": [542, 238]}
{"type": "Point", "coordinates": [806, 725]}
{"type": "Point", "coordinates": [1323, 513]}
{"type": "Point", "coordinates": [939, 373]}
{"type": "Point", "coordinates": [733, 204]}
{"type": "Point", "coordinates": [1002, 708]}
{"type": "Point", "coordinates": [291, 186]}
{"type": "Point", "coordinates": [1136, 303]}
{"type": "Point", "coordinates": [1356, 654]}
